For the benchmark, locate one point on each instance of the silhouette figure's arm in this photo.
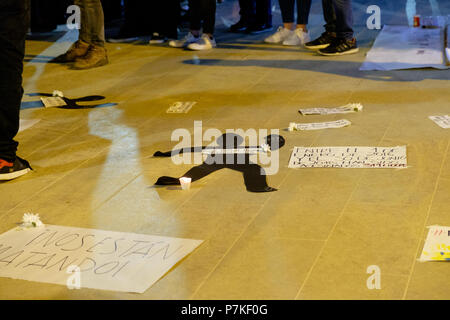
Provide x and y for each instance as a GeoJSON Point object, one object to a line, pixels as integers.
{"type": "Point", "coordinates": [178, 151]}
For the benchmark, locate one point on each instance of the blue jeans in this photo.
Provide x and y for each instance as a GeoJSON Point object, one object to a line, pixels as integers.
{"type": "Point", "coordinates": [338, 16]}
{"type": "Point", "coordinates": [92, 22]}
{"type": "Point", "coordinates": [287, 10]}
{"type": "Point", "coordinates": [14, 22]}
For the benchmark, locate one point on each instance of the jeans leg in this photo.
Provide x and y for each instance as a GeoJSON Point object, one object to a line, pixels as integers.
{"type": "Point", "coordinates": [303, 9]}
{"type": "Point", "coordinates": [209, 16]}
{"type": "Point", "coordinates": [14, 24]}
{"type": "Point", "coordinates": [94, 22]}
{"type": "Point", "coordinates": [329, 15]}
{"type": "Point", "coordinates": [287, 10]}
{"type": "Point", "coordinates": [195, 15]}
{"type": "Point", "coordinates": [264, 12]}
{"type": "Point", "coordinates": [344, 18]}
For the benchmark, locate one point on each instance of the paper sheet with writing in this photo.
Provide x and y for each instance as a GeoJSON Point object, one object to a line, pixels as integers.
{"type": "Point", "coordinates": [348, 157]}
{"type": "Point", "coordinates": [441, 121]}
{"type": "Point", "coordinates": [437, 244]}
{"type": "Point", "coordinates": [403, 47]}
{"type": "Point", "coordinates": [53, 102]}
{"type": "Point", "coordinates": [27, 124]}
{"type": "Point", "coordinates": [107, 260]}
{"type": "Point", "coordinates": [181, 107]}
{"type": "Point", "coordinates": [322, 125]}
{"type": "Point", "coordinates": [349, 108]}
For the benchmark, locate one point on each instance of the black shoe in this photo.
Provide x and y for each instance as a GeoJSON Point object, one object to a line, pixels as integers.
{"type": "Point", "coordinates": [340, 47]}
{"type": "Point", "coordinates": [167, 181]}
{"type": "Point", "coordinates": [157, 38]}
{"type": "Point", "coordinates": [322, 42]}
{"type": "Point", "coordinates": [259, 28]}
{"type": "Point", "coordinates": [240, 26]}
{"type": "Point", "coordinates": [12, 170]}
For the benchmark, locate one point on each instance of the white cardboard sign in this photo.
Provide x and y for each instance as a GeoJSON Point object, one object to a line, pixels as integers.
{"type": "Point", "coordinates": [441, 121]}
{"type": "Point", "coordinates": [319, 125]}
{"type": "Point", "coordinates": [349, 108]}
{"type": "Point", "coordinates": [348, 157]}
{"type": "Point", "coordinates": [107, 260]}
{"type": "Point", "coordinates": [437, 244]}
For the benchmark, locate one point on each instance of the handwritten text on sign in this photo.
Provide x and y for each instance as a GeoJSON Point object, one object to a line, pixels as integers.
{"type": "Point", "coordinates": [107, 260]}
{"type": "Point", "coordinates": [348, 157]}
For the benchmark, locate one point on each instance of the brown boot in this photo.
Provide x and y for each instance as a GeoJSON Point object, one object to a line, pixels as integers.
{"type": "Point", "coordinates": [96, 57]}
{"type": "Point", "coordinates": [77, 50]}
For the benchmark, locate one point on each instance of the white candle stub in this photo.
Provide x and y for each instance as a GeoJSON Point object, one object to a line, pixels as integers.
{"type": "Point", "coordinates": [185, 183]}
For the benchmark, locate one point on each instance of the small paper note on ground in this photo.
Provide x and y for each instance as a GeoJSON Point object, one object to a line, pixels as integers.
{"type": "Point", "coordinates": [181, 107]}
{"type": "Point", "coordinates": [437, 244]}
{"type": "Point", "coordinates": [441, 121]}
{"type": "Point", "coordinates": [252, 150]}
{"type": "Point", "coordinates": [349, 108]}
{"type": "Point", "coordinates": [53, 102]}
{"type": "Point", "coordinates": [27, 124]}
{"type": "Point", "coordinates": [105, 260]}
{"type": "Point", "coordinates": [319, 125]}
{"type": "Point", "coordinates": [348, 157]}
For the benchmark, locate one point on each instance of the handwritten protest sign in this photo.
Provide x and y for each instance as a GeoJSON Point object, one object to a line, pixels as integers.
{"type": "Point", "coordinates": [349, 108]}
{"type": "Point", "coordinates": [441, 121]}
{"type": "Point", "coordinates": [319, 125]}
{"type": "Point", "coordinates": [437, 244]}
{"type": "Point", "coordinates": [348, 157]}
{"type": "Point", "coordinates": [105, 260]}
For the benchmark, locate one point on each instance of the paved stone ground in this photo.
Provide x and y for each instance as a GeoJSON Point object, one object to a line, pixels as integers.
{"type": "Point", "coordinates": [314, 238]}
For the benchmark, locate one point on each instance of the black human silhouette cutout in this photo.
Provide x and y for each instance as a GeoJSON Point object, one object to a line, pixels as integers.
{"type": "Point", "coordinates": [254, 177]}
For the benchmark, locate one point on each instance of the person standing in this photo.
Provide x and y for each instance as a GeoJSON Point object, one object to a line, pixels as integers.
{"type": "Point", "coordinates": [202, 14]}
{"type": "Point", "coordinates": [292, 33]}
{"type": "Point", "coordinates": [256, 17]}
{"type": "Point", "coordinates": [338, 38]}
{"type": "Point", "coordinates": [14, 24]}
{"type": "Point", "coordinates": [89, 51]}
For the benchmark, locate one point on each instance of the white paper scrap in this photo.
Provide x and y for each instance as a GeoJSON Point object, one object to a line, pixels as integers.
{"type": "Point", "coordinates": [349, 108]}
{"type": "Point", "coordinates": [348, 157]}
{"type": "Point", "coordinates": [442, 121]}
{"type": "Point", "coordinates": [89, 258]}
{"type": "Point", "coordinates": [320, 125]}
{"type": "Point", "coordinates": [181, 107]}
{"type": "Point", "coordinates": [437, 244]}
{"type": "Point", "coordinates": [53, 102]}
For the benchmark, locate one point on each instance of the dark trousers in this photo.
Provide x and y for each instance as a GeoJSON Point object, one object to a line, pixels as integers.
{"type": "Point", "coordinates": [14, 22]}
{"type": "Point", "coordinates": [257, 12]}
{"type": "Point", "coordinates": [287, 8]}
{"type": "Point", "coordinates": [146, 17]}
{"type": "Point", "coordinates": [202, 11]}
{"type": "Point", "coordinates": [338, 16]}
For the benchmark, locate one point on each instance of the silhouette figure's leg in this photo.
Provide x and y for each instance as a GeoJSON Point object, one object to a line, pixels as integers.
{"type": "Point", "coordinates": [254, 180]}
{"type": "Point", "coordinates": [196, 173]}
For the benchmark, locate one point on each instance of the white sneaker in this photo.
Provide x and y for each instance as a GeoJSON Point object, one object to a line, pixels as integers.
{"type": "Point", "coordinates": [187, 40]}
{"type": "Point", "coordinates": [279, 36]}
{"type": "Point", "coordinates": [297, 38]}
{"type": "Point", "coordinates": [204, 43]}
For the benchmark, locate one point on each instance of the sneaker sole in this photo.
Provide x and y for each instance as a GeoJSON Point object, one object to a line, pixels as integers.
{"type": "Point", "coordinates": [352, 51]}
{"type": "Point", "coordinates": [200, 49]}
{"type": "Point", "coordinates": [322, 46]}
{"type": "Point", "coordinates": [156, 41]}
{"type": "Point", "coordinates": [14, 175]}
{"type": "Point", "coordinates": [122, 40]}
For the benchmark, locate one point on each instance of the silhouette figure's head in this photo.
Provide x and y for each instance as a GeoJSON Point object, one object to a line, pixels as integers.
{"type": "Point", "coordinates": [230, 140]}
{"type": "Point", "coordinates": [275, 141]}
